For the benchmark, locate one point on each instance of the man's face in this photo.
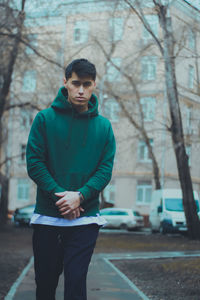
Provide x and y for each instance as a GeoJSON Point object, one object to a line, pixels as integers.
{"type": "Point", "coordinates": [79, 91]}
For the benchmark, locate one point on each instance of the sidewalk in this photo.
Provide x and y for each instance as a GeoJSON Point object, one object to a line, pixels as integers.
{"type": "Point", "coordinates": [105, 282]}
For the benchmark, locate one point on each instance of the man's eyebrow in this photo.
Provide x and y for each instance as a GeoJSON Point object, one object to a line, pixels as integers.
{"type": "Point", "coordinates": [76, 81]}
{"type": "Point", "coordinates": [86, 82]}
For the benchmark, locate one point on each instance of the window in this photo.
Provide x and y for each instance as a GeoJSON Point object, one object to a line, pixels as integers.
{"type": "Point", "coordinates": [32, 40]}
{"type": "Point", "coordinates": [147, 3]}
{"type": "Point", "coordinates": [106, 213]}
{"type": "Point", "coordinates": [191, 77]}
{"type": "Point", "coordinates": [23, 153]}
{"type": "Point", "coordinates": [191, 40]}
{"type": "Point", "coordinates": [23, 190]}
{"type": "Point", "coordinates": [119, 213]}
{"type": "Point", "coordinates": [26, 118]}
{"type": "Point", "coordinates": [113, 74]}
{"type": "Point", "coordinates": [148, 108]}
{"type": "Point", "coordinates": [77, 34]}
{"type": "Point", "coordinates": [114, 213]}
{"type": "Point", "coordinates": [144, 190]}
{"type": "Point", "coordinates": [81, 32]}
{"type": "Point", "coordinates": [188, 119]}
{"type": "Point", "coordinates": [188, 149]}
{"type": "Point", "coordinates": [111, 110]}
{"type": "Point", "coordinates": [109, 192]}
{"type": "Point", "coordinates": [148, 67]}
{"type": "Point", "coordinates": [152, 20]}
{"type": "Point", "coordinates": [143, 152]}
{"type": "Point", "coordinates": [29, 81]}
{"type": "Point", "coordinates": [116, 28]}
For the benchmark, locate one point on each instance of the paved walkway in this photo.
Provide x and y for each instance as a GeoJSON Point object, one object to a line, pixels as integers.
{"type": "Point", "coordinates": [105, 282]}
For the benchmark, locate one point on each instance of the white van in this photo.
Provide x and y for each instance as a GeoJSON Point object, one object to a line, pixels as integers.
{"type": "Point", "coordinates": [167, 212]}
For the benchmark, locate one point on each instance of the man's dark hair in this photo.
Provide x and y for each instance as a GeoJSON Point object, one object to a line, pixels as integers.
{"type": "Point", "coordinates": [82, 67]}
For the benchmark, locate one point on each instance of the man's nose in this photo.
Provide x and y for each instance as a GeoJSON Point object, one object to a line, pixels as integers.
{"type": "Point", "coordinates": [81, 89]}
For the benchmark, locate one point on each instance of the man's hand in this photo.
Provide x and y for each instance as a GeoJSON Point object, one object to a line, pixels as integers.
{"type": "Point", "coordinates": [74, 214]}
{"type": "Point", "coordinates": [69, 204]}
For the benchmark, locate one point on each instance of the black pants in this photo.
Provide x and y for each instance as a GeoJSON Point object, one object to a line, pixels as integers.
{"type": "Point", "coordinates": [56, 248]}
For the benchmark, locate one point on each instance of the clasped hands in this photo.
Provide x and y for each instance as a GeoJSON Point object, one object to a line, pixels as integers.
{"type": "Point", "coordinates": [69, 204]}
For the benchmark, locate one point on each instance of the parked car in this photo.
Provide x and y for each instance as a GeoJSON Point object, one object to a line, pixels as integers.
{"type": "Point", "coordinates": [123, 218]}
{"type": "Point", "coordinates": [23, 215]}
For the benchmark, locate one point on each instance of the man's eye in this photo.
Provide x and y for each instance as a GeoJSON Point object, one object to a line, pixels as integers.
{"type": "Point", "coordinates": [76, 83]}
{"type": "Point", "coordinates": [87, 84]}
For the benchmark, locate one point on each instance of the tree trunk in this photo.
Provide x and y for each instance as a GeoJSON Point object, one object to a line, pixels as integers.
{"type": "Point", "coordinates": [4, 93]}
{"type": "Point", "coordinates": [3, 199]}
{"type": "Point", "coordinates": [7, 78]}
{"type": "Point", "coordinates": [177, 128]}
{"type": "Point", "coordinates": [156, 171]}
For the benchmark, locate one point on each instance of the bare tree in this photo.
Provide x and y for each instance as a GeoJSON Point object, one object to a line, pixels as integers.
{"type": "Point", "coordinates": [133, 82]}
{"type": "Point", "coordinates": [7, 68]}
{"type": "Point", "coordinates": [162, 9]}
{"type": "Point", "coordinates": [14, 39]}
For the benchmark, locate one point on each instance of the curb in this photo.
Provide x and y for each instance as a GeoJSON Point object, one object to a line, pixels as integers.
{"type": "Point", "coordinates": [16, 284]}
{"type": "Point", "coordinates": [125, 278]}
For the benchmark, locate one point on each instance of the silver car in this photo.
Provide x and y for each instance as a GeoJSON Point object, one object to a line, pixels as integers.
{"type": "Point", "coordinates": [123, 218]}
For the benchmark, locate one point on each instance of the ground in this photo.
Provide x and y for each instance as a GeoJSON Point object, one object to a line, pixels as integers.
{"type": "Point", "coordinates": [15, 252]}
{"type": "Point", "coordinates": [159, 279]}
{"type": "Point", "coordinates": [165, 279]}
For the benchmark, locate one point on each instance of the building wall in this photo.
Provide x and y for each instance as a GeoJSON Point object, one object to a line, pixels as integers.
{"type": "Point", "coordinates": [84, 31]}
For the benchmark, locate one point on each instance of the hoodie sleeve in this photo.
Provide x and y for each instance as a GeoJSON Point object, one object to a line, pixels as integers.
{"type": "Point", "coordinates": [36, 155]}
{"type": "Point", "coordinates": [103, 174]}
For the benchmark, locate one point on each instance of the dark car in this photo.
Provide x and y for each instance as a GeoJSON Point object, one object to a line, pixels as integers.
{"type": "Point", "coordinates": [23, 215]}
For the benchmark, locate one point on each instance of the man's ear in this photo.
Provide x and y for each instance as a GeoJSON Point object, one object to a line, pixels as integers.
{"type": "Point", "coordinates": [64, 81]}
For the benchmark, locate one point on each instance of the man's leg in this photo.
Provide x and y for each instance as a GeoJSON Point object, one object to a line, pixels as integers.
{"type": "Point", "coordinates": [79, 243]}
{"type": "Point", "coordinates": [48, 260]}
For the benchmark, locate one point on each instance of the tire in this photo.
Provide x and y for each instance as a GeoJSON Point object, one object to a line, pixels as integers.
{"type": "Point", "coordinates": [16, 224]}
{"type": "Point", "coordinates": [162, 230]}
{"type": "Point", "coordinates": [132, 229]}
{"type": "Point", "coordinates": [153, 230]}
{"type": "Point", "coordinates": [123, 226]}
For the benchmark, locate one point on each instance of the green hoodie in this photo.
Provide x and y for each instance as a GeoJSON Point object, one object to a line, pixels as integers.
{"type": "Point", "coordinates": [70, 151]}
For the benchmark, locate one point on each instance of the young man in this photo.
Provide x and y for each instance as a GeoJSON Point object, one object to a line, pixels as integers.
{"type": "Point", "coordinates": [70, 154]}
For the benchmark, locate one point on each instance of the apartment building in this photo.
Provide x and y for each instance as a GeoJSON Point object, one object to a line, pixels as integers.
{"type": "Point", "coordinates": [130, 87]}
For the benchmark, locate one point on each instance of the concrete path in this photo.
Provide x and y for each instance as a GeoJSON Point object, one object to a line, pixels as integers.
{"type": "Point", "coordinates": [105, 281]}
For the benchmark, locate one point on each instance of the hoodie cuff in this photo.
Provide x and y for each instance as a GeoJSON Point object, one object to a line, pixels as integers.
{"type": "Point", "coordinates": [88, 192]}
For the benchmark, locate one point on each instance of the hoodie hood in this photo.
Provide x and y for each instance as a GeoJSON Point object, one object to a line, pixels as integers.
{"type": "Point", "coordinates": [61, 103]}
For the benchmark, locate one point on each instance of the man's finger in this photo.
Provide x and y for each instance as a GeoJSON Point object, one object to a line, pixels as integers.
{"type": "Point", "coordinates": [77, 213]}
{"type": "Point", "coordinates": [59, 202]}
{"type": "Point", "coordinates": [69, 211]}
{"type": "Point", "coordinates": [61, 194]}
{"type": "Point", "coordinates": [63, 208]}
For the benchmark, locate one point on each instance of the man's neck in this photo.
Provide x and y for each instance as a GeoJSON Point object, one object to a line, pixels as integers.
{"type": "Point", "coordinates": [79, 109]}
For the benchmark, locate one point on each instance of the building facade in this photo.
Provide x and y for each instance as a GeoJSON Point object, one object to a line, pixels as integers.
{"type": "Point", "coordinates": [130, 88]}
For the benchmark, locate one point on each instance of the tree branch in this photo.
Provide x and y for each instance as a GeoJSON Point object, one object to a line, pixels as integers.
{"type": "Point", "coordinates": [34, 106]}
{"type": "Point", "coordinates": [145, 23]}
